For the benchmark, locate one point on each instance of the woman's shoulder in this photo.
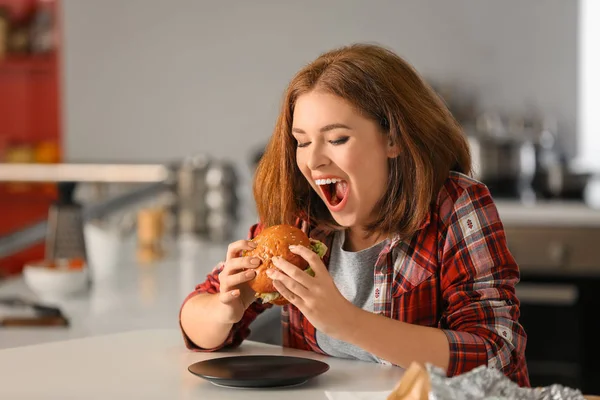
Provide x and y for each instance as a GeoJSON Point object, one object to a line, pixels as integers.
{"type": "Point", "coordinates": [458, 185]}
{"type": "Point", "coordinates": [462, 195]}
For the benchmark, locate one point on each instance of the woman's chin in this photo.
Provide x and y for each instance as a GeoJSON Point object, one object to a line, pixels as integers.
{"type": "Point", "coordinates": [345, 221]}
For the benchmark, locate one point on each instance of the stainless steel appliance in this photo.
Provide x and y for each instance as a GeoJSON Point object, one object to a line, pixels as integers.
{"type": "Point", "coordinates": [505, 164]}
{"type": "Point", "coordinates": [560, 282]}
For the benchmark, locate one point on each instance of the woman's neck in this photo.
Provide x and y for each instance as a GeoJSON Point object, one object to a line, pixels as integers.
{"type": "Point", "coordinates": [357, 240]}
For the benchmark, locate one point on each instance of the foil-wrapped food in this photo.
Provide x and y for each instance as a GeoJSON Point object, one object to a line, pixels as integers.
{"type": "Point", "coordinates": [430, 383]}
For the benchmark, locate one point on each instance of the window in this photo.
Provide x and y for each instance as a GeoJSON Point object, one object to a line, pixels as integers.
{"type": "Point", "coordinates": [589, 85]}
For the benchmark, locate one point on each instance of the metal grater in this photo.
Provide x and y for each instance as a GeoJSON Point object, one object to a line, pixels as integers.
{"type": "Point", "coordinates": [64, 238]}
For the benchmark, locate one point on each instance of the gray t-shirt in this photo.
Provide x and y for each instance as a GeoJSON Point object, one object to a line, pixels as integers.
{"type": "Point", "coordinates": [352, 273]}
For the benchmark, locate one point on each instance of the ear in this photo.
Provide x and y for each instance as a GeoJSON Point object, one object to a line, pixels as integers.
{"type": "Point", "coordinates": [393, 150]}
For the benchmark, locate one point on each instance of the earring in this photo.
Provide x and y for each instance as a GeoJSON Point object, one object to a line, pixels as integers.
{"type": "Point", "coordinates": [384, 123]}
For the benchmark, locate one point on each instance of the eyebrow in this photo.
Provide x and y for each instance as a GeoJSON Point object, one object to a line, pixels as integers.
{"type": "Point", "coordinates": [324, 129]}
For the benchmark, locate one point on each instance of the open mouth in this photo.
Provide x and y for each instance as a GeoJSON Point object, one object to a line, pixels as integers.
{"type": "Point", "coordinates": [335, 191]}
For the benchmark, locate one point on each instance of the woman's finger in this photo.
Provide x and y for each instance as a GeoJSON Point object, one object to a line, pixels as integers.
{"type": "Point", "coordinates": [234, 249]}
{"type": "Point", "coordinates": [288, 294]}
{"type": "Point", "coordinates": [230, 281]}
{"type": "Point", "coordinates": [288, 282]}
{"type": "Point", "coordinates": [239, 278]}
{"type": "Point", "coordinates": [292, 271]}
{"type": "Point", "coordinates": [229, 296]}
{"type": "Point", "coordinates": [311, 258]}
{"type": "Point", "coordinates": [241, 263]}
{"type": "Point", "coordinates": [240, 268]}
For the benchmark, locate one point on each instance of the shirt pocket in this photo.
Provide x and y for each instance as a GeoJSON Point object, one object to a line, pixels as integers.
{"type": "Point", "coordinates": [408, 272]}
{"type": "Point", "coordinates": [415, 298]}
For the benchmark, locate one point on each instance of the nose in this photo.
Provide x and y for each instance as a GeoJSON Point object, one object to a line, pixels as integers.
{"type": "Point", "coordinates": [316, 157]}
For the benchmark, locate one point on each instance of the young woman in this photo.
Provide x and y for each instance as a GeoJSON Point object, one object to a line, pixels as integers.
{"type": "Point", "coordinates": [367, 159]}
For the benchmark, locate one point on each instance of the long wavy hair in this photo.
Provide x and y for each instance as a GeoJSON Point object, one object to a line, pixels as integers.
{"type": "Point", "coordinates": [388, 90]}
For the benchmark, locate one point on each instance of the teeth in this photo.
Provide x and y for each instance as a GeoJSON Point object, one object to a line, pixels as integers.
{"type": "Point", "coordinates": [327, 181]}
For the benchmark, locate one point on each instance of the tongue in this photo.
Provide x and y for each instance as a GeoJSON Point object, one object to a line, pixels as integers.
{"type": "Point", "coordinates": [340, 189]}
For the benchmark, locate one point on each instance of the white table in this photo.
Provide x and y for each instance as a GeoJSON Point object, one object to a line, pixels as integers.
{"type": "Point", "coordinates": [152, 364]}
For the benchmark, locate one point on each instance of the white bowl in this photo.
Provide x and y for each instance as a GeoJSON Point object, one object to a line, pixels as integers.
{"type": "Point", "coordinates": [55, 282]}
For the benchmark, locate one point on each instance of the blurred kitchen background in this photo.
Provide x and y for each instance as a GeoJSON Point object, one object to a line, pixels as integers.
{"type": "Point", "coordinates": [130, 129]}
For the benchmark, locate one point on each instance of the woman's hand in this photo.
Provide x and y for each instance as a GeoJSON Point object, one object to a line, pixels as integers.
{"type": "Point", "coordinates": [316, 297]}
{"type": "Point", "coordinates": [235, 293]}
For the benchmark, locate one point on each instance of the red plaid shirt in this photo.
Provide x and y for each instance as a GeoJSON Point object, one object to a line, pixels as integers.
{"type": "Point", "coordinates": [456, 273]}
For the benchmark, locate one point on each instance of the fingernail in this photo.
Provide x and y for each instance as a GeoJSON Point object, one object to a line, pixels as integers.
{"type": "Point", "coordinates": [235, 293]}
{"type": "Point", "coordinates": [250, 274]}
{"type": "Point", "coordinates": [292, 246]}
{"type": "Point", "coordinates": [269, 272]}
{"type": "Point", "coordinates": [276, 259]}
{"type": "Point", "coordinates": [255, 261]}
{"type": "Point", "coordinates": [252, 244]}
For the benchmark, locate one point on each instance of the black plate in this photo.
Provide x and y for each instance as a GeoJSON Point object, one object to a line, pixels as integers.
{"type": "Point", "coordinates": [258, 371]}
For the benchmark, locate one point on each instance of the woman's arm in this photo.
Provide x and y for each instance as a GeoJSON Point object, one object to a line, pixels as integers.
{"type": "Point", "coordinates": [200, 321]}
{"type": "Point", "coordinates": [478, 279]}
{"type": "Point", "coordinates": [201, 318]}
{"type": "Point", "coordinates": [323, 305]}
{"type": "Point", "coordinates": [218, 313]}
{"type": "Point", "coordinates": [397, 342]}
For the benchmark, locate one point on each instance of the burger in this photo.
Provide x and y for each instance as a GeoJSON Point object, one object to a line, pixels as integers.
{"type": "Point", "coordinates": [275, 241]}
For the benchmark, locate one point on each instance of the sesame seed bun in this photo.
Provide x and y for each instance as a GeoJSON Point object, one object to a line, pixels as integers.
{"type": "Point", "coordinates": [272, 242]}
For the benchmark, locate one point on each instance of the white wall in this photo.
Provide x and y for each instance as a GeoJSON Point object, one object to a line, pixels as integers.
{"type": "Point", "coordinates": [589, 85]}
{"type": "Point", "coordinates": [159, 79]}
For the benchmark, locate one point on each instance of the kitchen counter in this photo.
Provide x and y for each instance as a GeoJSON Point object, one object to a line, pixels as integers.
{"type": "Point", "coordinates": [135, 297]}
{"type": "Point", "coordinates": [548, 213]}
{"type": "Point", "coordinates": [555, 238]}
{"type": "Point", "coordinates": [152, 364]}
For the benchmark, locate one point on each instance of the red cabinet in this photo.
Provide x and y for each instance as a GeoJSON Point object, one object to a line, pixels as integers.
{"type": "Point", "coordinates": [30, 114]}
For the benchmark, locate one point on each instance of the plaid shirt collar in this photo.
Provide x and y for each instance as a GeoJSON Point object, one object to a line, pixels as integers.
{"type": "Point", "coordinates": [327, 238]}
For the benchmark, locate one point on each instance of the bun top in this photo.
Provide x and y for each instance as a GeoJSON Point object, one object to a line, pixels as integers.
{"type": "Point", "coordinates": [275, 240]}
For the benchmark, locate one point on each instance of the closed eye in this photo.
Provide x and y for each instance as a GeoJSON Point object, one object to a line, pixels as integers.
{"type": "Point", "coordinates": [339, 141]}
{"type": "Point", "coordinates": [336, 142]}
